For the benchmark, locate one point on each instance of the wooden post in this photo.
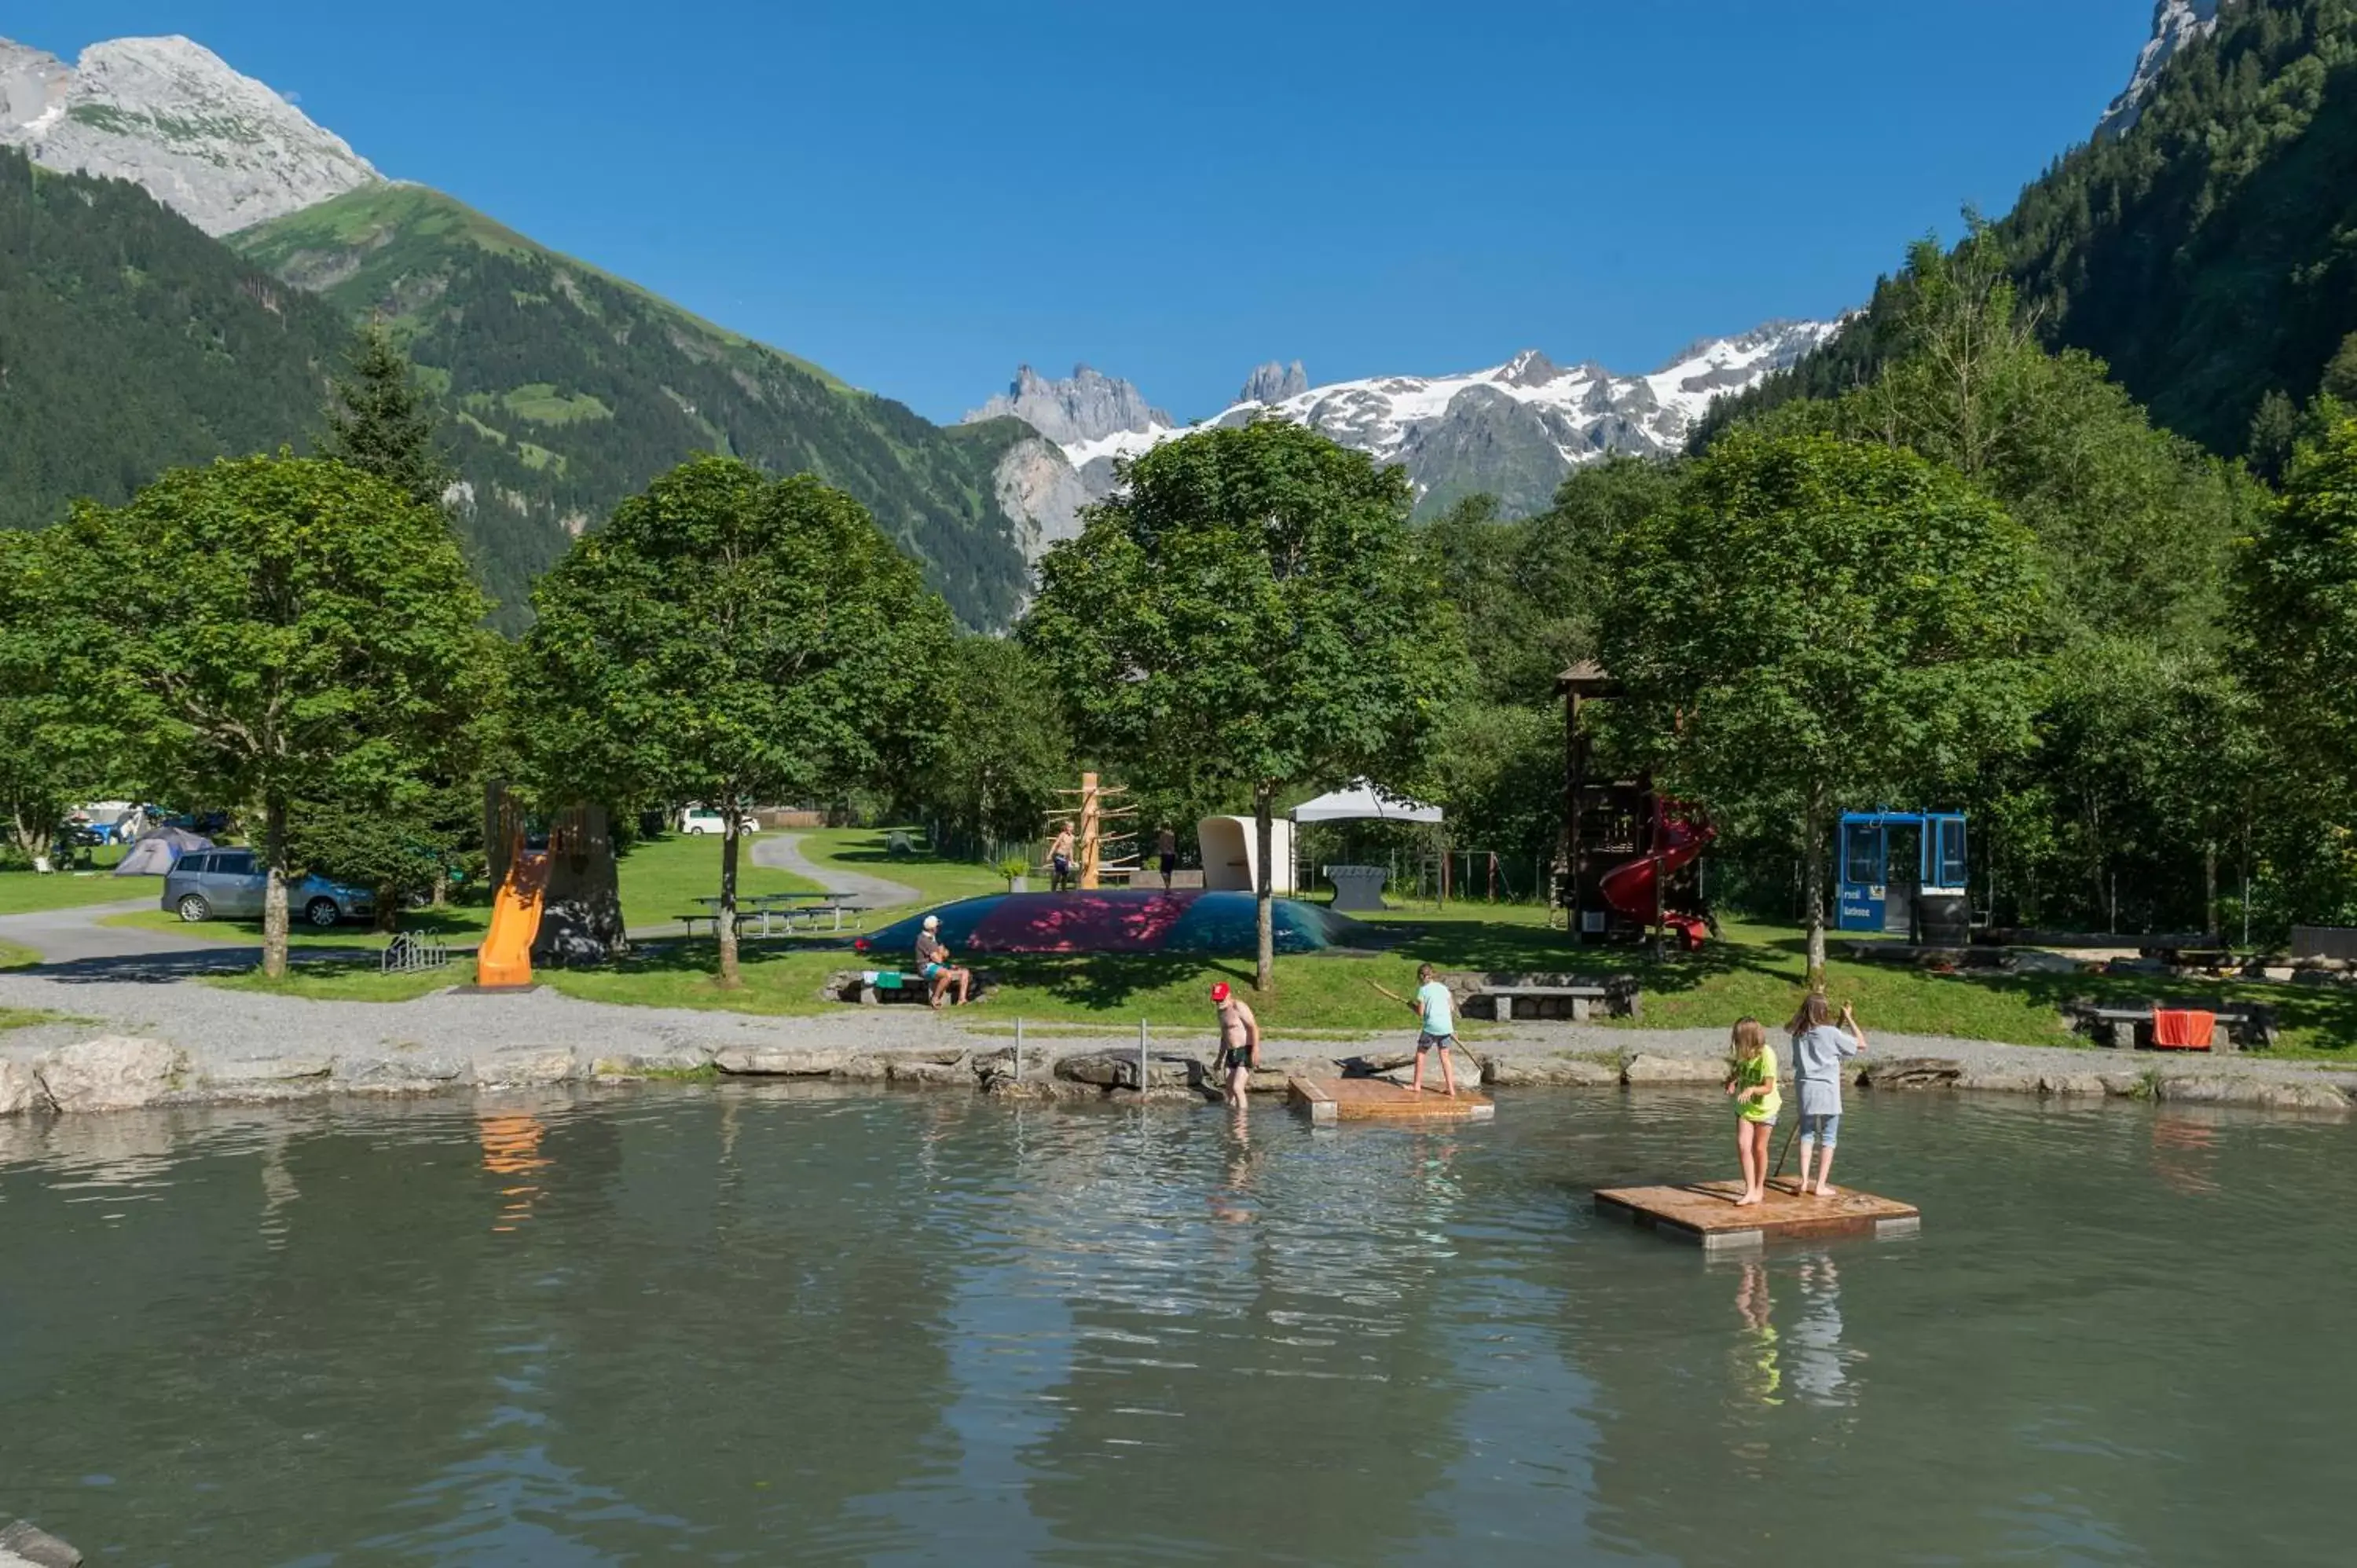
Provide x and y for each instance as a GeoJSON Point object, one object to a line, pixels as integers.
{"type": "Point", "coordinates": [1019, 1050]}
{"type": "Point", "coordinates": [1141, 1057]}
{"type": "Point", "coordinates": [1090, 826]}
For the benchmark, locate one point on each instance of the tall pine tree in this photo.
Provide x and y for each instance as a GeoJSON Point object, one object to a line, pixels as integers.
{"type": "Point", "coordinates": [380, 423]}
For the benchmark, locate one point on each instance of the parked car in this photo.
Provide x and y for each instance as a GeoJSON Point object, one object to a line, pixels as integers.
{"type": "Point", "coordinates": [213, 883]}
{"type": "Point", "coordinates": [702, 819]}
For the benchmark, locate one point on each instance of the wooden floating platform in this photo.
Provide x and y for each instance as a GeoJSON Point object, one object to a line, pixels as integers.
{"type": "Point", "coordinates": [1380, 1100]}
{"type": "Point", "coordinates": [1705, 1212]}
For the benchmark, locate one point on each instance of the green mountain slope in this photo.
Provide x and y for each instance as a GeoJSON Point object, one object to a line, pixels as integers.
{"type": "Point", "coordinates": [570, 389]}
{"type": "Point", "coordinates": [2209, 255]}
{"type": "Point", "coordinates": [130, 343]}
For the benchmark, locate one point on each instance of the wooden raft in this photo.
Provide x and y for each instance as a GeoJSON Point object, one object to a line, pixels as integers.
{"type": "Point", "coordinates": [1705, 1212]}
{"type": "Point", "coordinates": [1380, 1100]}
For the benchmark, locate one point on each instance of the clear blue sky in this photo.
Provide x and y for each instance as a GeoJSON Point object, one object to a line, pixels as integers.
{"type": "Point", "coordinates": [920, 195]}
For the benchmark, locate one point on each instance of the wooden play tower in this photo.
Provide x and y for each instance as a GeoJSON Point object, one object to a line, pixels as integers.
{"type": "Point", "coordinates": [1100, 845]}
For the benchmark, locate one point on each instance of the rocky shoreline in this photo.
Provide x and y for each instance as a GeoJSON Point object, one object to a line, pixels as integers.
{"type": "Point", "coordinates": [122, 1071]}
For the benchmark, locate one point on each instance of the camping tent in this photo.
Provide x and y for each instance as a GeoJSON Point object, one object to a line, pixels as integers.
{"type": "Point", "coordinates": [157, 853]}
{"type": "Point", "coordinates": [1361, 801]}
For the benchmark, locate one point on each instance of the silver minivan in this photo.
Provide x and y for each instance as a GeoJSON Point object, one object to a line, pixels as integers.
{"type": "Point", "coordinates": [210, 884]}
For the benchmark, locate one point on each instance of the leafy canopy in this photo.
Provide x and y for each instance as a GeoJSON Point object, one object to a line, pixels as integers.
{"type": "Point", "coordinates": [1252, 611]}
{"type": "Point", "coordinates": [732, 638]}
{"type": "Point", "coordinates": [1819, 621]}
{"type": "Point", "coordinates": [306, 632]}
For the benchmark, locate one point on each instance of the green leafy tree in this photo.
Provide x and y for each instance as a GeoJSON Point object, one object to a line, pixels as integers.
{"type": "Point", "coordinates": [63, 735]}
{"type": "Point", "coordinates": [1003, 748]}
{"type": "Point", "coordinates": [1819, 621]}
{"type": "Point", "coordinates": [1251, 611]}
{"type": "Point", "coordinates": [730, 638]}
{"type": "Point", "coordinates": [2295, 620]}
{"type": "Point", "coordinates": [307, 631]}
{"type": "Point", "coordinates": [381, 423]}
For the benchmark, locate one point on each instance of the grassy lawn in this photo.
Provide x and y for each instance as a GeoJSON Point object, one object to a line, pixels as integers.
{"type": "Point", "coordinates": [1756, 970]}
{"type": "Point", "coordinates": [663, 878]}
{"type": "Point", "coordinates": [23, 891]}
{"type": "Point", "coordinates": [32, 1018]}
{"type": "Point", "coordinates": [13, 956]}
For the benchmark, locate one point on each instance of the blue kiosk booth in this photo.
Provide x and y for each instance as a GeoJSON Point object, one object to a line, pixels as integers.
{"type": "Point", "coordinates": [1914, 887]}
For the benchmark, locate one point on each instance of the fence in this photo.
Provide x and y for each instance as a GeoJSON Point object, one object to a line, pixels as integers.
{"type": "Point", "coordinates": [406, 955]}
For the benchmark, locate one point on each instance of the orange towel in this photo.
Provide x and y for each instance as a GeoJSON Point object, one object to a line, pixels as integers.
{"type": "Point", "coordinates": [2183, 1028]}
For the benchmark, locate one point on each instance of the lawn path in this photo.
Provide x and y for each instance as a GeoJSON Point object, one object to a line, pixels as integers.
{"type": "Point", "coordinates": [784, 853]}
{"type": "Point", "coordinates": [74, 935]}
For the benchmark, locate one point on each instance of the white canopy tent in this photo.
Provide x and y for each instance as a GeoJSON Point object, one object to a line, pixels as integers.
{"type": "Point", "coordinates": [1359, 887]}
{"type": "Point", "coordinates": [1361, 801]}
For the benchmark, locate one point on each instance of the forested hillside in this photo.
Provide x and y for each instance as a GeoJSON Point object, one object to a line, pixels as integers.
{"type": "Point", "coordinates": [570, 390]}
{"type": "Point", "coordinates": [130, 342]}
{"type": "Point", "coordinates": [2209, 256]}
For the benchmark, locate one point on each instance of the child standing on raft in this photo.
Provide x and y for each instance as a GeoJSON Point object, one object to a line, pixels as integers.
{"type": "Point", "coordinates": [1437, 1028]}
{"type": "Point", "coordinates": [1819, 1048]}
{"type": "Point", "coordinates": [1751, 1082]}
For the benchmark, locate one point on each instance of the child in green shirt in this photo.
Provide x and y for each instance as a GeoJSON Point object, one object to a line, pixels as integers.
{"type": "Point", "coordinates": [1751, 1083]}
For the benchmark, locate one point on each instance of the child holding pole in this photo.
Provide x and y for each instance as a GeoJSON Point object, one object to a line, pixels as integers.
{"type": "Point", "coordinates": [1819, 1049]}
{"type": "Point", "coordinates": [1751, 1084]}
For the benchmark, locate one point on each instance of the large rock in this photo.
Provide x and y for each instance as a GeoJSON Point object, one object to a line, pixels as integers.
{"type": "Point", "coordinates": [526, 1070]}
{"type": "Point", "coordinates": [1912, 1072]}
{"type": "Point", "coordinates": [117, 1072]}
{"type": "Point", "coordinates": [765, 1061]}
{"type": "Point", "coordinates": [1088, 407]}
{"type": "Point", "coordinates": [1994, 1082]}
{"type": "Point", "coordinates": [20, 1089]}
{"type": "Point", "coordinates": [1649, 1071]}
{"type": "Point", "coordinates": [1574, 1072]}
{"type": "Point", "coordinates": [2268, 1094]}
{"type": "Point", "coordinates": [938, 1074]}
{"type": "Point", "coordinates": [2072, 1083]}
{"type": "Point", "coordinates": [400, 1070]}
{"type": "Point", "coordinates": [21, 1543]}
{"type": "Point", "coordinates": [294, 1076]}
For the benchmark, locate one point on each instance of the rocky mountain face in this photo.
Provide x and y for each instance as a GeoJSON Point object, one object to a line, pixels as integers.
{"type": "Point", "coordinates": [1087, 406]}
{"type": "Point", "coordinates": [1274, 383]}
{"type": "Point", "coordinates": [2175, 24]}
{"type": "Point", "coordinates": [220, 149]}
{"type": "Point", "coordinates": [1511, 431]}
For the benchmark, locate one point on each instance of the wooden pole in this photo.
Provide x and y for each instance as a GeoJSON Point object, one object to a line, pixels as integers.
{"type": "Point", "coordinates": [1092, 826]}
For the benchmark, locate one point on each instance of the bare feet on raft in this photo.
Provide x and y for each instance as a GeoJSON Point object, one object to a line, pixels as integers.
{"type": "Point", "coordinates": [1823, 1191]}
{"type": "Point", "coordinates": [1747, 1200]}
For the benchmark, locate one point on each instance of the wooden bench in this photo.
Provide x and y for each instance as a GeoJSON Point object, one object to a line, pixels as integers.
{"type": "Point", "coordinates": [1576, 1000]}
{"type": "Point", "coordinates": [2126, 1026]}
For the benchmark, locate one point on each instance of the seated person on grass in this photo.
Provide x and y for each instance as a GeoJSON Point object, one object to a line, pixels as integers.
{"type": "Point", "coordinates": [933, 963]}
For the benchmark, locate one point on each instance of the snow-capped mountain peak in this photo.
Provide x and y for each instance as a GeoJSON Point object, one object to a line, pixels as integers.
{"type": "Point", "coordinates": [1510, 430]}
{"type": "Point", "coordinates": [221, 149]}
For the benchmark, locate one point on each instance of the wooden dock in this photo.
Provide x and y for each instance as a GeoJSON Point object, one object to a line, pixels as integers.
{"type": "Point", "coordinates": [1327, 1099]}
{"type": "Point", "coordinates": [1705, 1212]}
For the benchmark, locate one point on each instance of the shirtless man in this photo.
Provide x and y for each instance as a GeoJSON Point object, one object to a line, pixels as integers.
{"type": "Point", "coordinates": [1059, 860]}
{"type": "Point", "coordinates": [1239, 1042]}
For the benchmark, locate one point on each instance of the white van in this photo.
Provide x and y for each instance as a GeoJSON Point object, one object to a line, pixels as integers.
{"type": "Point", "coordinates": [702, 819]}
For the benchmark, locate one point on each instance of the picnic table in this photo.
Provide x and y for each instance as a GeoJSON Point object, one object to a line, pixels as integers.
{"type": "Point", "coordinates": [769, 909]}
{"type": "Point", "coordinates": [1557, 998]}
{"type": "Point", "coordinates": [2124, 1025]}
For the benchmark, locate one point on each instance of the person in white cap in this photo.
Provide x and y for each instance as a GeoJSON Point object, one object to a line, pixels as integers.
{"type": "Point", "coordinates": [933, 963]}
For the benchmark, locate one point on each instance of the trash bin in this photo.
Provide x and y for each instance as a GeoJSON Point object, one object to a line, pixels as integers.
{"type": "Point", "coordinates": [1357, 888]}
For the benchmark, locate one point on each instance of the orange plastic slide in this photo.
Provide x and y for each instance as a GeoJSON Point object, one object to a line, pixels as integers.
{"type": "Point", "coordinates": [505, 958]}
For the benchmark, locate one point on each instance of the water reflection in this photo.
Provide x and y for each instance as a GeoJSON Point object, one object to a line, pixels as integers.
{"type": "Point", "coordinates": [793, 1324]}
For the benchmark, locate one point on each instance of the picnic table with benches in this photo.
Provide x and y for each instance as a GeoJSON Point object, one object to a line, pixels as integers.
{"type": "Point", "coordinates": [2124, 1025]}
{"type": "Point", "coordinates": [1556, 998]}
{"type": "Point", "coordinates": [768, 910]}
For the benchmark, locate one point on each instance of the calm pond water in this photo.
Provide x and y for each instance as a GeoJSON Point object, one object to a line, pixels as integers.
{"type": "Point", "coordinates": [768, 1327]}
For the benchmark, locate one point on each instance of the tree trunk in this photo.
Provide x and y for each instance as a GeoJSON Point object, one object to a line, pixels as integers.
{"type": "Point", "coordinates": [441, 884]}
{"type": "Point", "coordinates": [1814, 872]}
{"type": "Point", "coordinates": [724, 927]}
{"type": "Point", "coordinates": [1264, 906]}
{"type": "Point", "coordinates": [389, 901]}
{"type": "Point", "coordinates": [2210, 887]}
{"type": "Point", "coordinates": [274, 894]}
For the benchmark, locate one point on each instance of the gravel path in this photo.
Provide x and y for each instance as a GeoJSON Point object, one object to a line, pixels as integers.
{"type": "Point", "coordinates": [784, 853]}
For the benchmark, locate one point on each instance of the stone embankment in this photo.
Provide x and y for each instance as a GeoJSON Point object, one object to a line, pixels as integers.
{"type": "Point", "coordinates": [23, 1546]}
{"type": "Point", "coordinates": [125, 1071]}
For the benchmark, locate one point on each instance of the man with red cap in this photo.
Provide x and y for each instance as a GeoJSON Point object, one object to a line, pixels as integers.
{"type": "Point", "coordinates": [1239, 1042]}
